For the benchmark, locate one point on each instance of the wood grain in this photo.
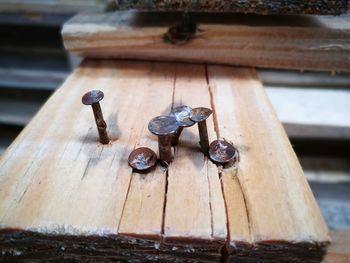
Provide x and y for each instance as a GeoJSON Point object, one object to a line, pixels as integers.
{"type": "Point", "coordinates": [65, 196]}
{"type": "Point", "coordinates": [243, 6]}
{"type": "Point", "coordinates": [304, 43]}
{"type": "Point", "coordinates": [273, 186]}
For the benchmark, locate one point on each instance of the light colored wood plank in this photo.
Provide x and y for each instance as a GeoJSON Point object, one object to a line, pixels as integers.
{"type": "Point", "coordinates": [339, 251]}
{"type": "Point", "coordinates": [73, 184]}
{"type": "Point", "coordinates": [143, 211]}
{"type": "Point", "coordinates": [195, 207]}
{"type": "Point", "coordinates": [311, 106]}
{"type": "Point", "coordinates": [58, 182]}
{"type": "Point", "coordinates": [310, 43]}
{"type": "Point", "coordinates": [274, 188]}
{"type": "Point", "coordinates": [53, 6]}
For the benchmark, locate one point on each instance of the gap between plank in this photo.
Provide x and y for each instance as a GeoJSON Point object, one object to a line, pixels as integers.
{"type": "Point", "coordinates": [212, 104]}
{"type": "Point", "coordinates": [217, 131]}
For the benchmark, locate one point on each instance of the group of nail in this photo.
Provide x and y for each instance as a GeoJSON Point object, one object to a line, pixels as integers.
{"type": "Point", "coordinates": [168, 130]}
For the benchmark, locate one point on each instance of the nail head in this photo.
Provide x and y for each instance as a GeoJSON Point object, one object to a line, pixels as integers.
{"type": "Point", "coordinates": [200, 114]}
{"type": "Point", "coordinates": [142, 159]}
{"type": "Point", "coordinates": [182, 115]}
{"type": "Point", "coordinates": [92, 97]}
{"type": "Point", "coordinates": [163, 125]}
{"type": "Point", "coordinates": [221, 151]}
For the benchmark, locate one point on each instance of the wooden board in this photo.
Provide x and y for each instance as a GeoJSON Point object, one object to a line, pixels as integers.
{"type": "Point", "coordinates": [320, 43]}
{"type": "Point", "coordinates": [242, 6]}
{"type": "Point", "coordinates": [54, 6]}
{"type": "Point", "coordinates": [339, 251]}
{"type": "Point", "coordinates": [63, 195]}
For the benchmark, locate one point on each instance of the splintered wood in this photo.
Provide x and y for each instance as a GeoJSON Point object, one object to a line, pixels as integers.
{"type": "Point", "coordinates": [65, 196]}
{"type": "Point", "coordinates": [303, 43]}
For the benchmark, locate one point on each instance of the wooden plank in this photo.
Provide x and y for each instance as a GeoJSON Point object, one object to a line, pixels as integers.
{"type": "Point", "coordinates": [143, 210]}
{"type": "Point", "coordinates": [293, 78]}
{"type": "Point", "coordinates": [54, 6]}
{"type": "Point", "coordinates": [312, 112]}
{"type": "Point", "coordinates": [243, 6]}
{"type": "Point", "coordinates": [339, 251]}
{"type": "Point", "coordinates": [319, 43]}
{"type": "Point", "coordinates": [63, 195]}
{"type": "Point", "coordinates": [195, 210]}
{"type": "Point", "coordinates": [268, 171]}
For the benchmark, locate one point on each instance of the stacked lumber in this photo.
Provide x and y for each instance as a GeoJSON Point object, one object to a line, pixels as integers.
{"type": "Point", "coordinates": [243, 6]}
{"type": "Point", "coordinates": [303, 43]}
{"type": "Point", "coordinates": [65, 196]}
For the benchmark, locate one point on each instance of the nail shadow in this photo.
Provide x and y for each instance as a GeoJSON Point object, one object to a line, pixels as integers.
{"type": "Point", "coordinates": [113, 129]}
{"type": "Point", "coordinates": [189, 145]}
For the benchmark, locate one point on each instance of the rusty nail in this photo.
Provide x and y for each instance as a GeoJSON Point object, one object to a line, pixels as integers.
{"type": "Point", "coordinates": [222, 152]}
{"type": "Point", "coordinates": [200, 115]}
{"type": "Point", "coordinates": [182, 116]}
{"type": "Point", "coordinates": [142, 159]}
{"type": "Point", "coordinates": [93, 98]}
{"type": "Point", "coordinates": [164, 127]}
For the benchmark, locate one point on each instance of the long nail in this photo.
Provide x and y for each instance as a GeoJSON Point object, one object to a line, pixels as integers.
{"type": "Point", "coordinates": [200, 115]}
{"type": "Point", "coordinates": [164, 127]}
{"type": "Point", "coordinates": [182, 116]}
{"type": "Point", "coordinates": [93, 99]}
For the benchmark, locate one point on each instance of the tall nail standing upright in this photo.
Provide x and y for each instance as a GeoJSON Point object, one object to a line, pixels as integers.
{"type": "Point", "coordinates": [93, 98]}
{"type": "Point", "coordinates": [200, 115]}
{"type": "Point", "coordinates": [164, 127]}
{"type": "Point", "coordinates": [182, 116]}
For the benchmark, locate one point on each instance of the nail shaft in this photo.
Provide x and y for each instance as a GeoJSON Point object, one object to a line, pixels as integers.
{"type": "Point", "coordinates": [203, 136]}
{"type": "Point", "coordinates": [164, 144]}
{"type": "Point", "coordinates": [101, 124]}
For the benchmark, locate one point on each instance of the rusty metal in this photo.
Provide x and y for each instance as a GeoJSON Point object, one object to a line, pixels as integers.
{"type": "Point", "coordinates": [182, 116]}
{"type": "Point", "coordinates": [182, 32]}
{"type": "Point", "coordinates": [164, 127]}
{"type": "Point", "coordinates": [200, 115]}
{"type": "Point", "coordinates": [93, 99]}
{"type": "Point", "coordinates": [222, 152]}
{"type": "Point", "coordinates": [142, 159]}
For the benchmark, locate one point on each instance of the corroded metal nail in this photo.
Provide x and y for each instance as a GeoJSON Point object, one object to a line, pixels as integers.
{"type": "Point", "coordinates": [182, 32]}
{"type": "Point", "coordinates": [182, 116]}
{"type": "Point", "coordinates": [222, 152]}
{"type": "Point", "coordinates": [142, 159]}
{"type": "Point", "coordinates": [93, 98]}
{"type": "Point", "coordinates": [200, 115]}
{"type": "Point", "coordinates": [164, 127]}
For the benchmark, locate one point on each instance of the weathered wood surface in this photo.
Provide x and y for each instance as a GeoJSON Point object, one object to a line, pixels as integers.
{"type": "Point", "coordinates": [339, 251]}
{"type": "Point", "coordinates": [320, 43]}
{"type": "Point", "coordinates": [63, 195]}
{"type": "Point", "coordinates": [54, 6]}
{"type": "Point", "coordinates": [242, 6]}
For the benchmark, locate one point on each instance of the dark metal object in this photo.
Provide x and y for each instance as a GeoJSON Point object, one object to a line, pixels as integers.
{"type": "Point", "coordinates": [164, 127]}
{"type": "Point", "coordinates": [200, 115]}
{"type": "Point", "coordinates": [93, 98]}
{"type": "Point", "coordinates": [182, 116]}
{"type": "Point", "coordinates": [142, 159]}
{"type": "Point", "coordinates": [222, 152]}
{"type": "Point", "coordinates": [182, 32]}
